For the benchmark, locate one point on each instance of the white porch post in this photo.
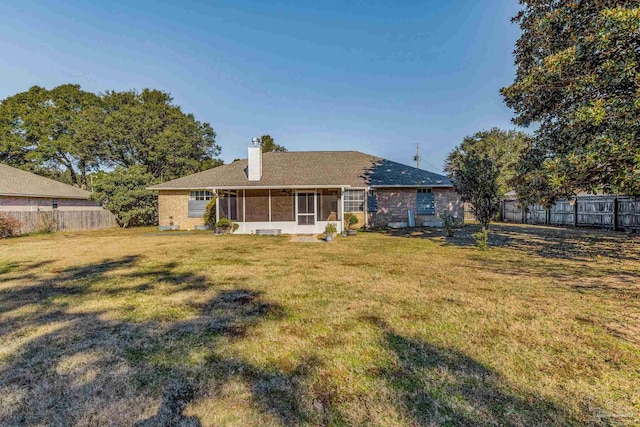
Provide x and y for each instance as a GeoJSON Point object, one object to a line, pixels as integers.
{"type": "Point", "coordinates": [244, 204]}
{"type": "Point", "coordinates": [269, 205]}
{"type": "Point", "coordinates": [341, 209]}
{"type": "Point", "coordinates": [217, 205]}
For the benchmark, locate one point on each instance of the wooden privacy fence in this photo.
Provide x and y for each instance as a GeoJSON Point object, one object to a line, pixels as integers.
{"type": "Point", "coordinates": [63, 220]}
{"type": "Point", "coordinates": [615, 213]}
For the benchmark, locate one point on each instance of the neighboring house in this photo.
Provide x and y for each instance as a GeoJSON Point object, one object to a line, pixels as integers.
{"type": "Point", "coordinates": [301, 192]}
{"type": "Point", "coordinates": [24, 191]}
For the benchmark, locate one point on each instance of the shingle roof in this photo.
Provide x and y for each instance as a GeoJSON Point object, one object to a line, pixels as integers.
{"type": "Point", "coordinates": [309, 168]}
{"type": "Point", "coordinates": [16, 182]}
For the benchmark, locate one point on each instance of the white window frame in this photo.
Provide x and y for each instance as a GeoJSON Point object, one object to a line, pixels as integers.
{"type": "Point", "coordinates": [354, 200]}
{"type": "Point", "coordinates": [201, 195]}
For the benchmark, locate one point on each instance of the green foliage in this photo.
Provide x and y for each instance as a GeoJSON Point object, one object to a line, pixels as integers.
{"type": "Point", "coordinates": [448, 222]}
{"type": "Point", "coordinates": [269, 145]}
{"type": "Point", "coordinates": [504, 148]}
{"type": "Point", "coordinates": [45, 131]}
{"type": "Point", "coordinates": [351, 220]}
{"type": "Point", "coordinates": [123, 193]}
{"type": "Point", "coordinates": [475, 177]}
{"type": "Point", "coordinates": [146, 128]}
{"type": "Point", "coordinates": [69, 134]}
{"type": "Point", "coordinates": [9, 226]}
{"type": "Point", "coordinates": [578, 77]}
{"type": "Point", "coordinates": [210, 214]}
{"type": "Point", "coordinates": [482, 239]}
{"type": "Point", "coordinates": [330, 229]}
{"type": "Point", "coordinates": [226, 226]}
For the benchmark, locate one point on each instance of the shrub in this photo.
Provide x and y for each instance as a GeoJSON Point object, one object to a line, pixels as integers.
{"type": "Point", "coordinates": [47, 223]}
{"type": "Point", "coordinates": [210, 214]}
{"type": "Point", "coordinates": [482, 239]}
{"type": "Point", "coordinates": [330, 229]}
{"type": "Point", "coordinates": [448, 222]}
{"type": "Point", "coordinates": [226, 226]}
{"type": "Point", "coordinates": [351, 220]}
{"type": "Point", "coordinates": [9, 226]}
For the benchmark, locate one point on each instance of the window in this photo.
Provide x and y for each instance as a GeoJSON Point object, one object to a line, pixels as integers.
{"type": "Point", "coordinates": [425, 202]}
{"type": "Point", "coordinates": [354, 201]}
{"type": "Point", "coordinates": [54, 203]}
{"type": "Point", "coordinates": [200, 195]}
{"type": "Point", "coordinates": [372, 201]}
{"type": "Point", "coordinates": [198, 203]}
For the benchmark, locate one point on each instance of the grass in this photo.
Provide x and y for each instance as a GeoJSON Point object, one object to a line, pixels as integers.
{"type": "Point", "coordinates": [404, 328]}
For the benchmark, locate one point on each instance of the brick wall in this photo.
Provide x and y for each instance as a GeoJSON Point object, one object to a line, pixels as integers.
{"type": "Point", "coordinates": [175, 203]}
{"type": "Point", "coordinates": [448, 199]}
{"type": "Point", "coordinates": [394, 204]}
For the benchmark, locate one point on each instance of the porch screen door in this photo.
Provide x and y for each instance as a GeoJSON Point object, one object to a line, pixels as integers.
{"type": "Point", "coordinates": [306, 208]}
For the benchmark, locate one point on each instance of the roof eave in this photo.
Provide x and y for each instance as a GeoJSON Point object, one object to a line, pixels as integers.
{"type": "Point", "coordinates": [44, 196]}
{"type": "Point", "coordinates": [251, 187]}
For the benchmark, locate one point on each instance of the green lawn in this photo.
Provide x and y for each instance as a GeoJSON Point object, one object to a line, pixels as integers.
{"type": "Point", "coordinates": [120, 326]}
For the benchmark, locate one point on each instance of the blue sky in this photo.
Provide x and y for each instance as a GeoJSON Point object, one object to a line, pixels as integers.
{"type": "Point", "coordinates": [373, 76]}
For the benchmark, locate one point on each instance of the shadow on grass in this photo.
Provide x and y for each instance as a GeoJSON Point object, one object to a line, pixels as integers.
{"type": "Point", "coordinates": [440, 386]}
{"type": "Point", "coordinates": [547, 242]}
{"type": "Point", "coordinates": [89, 368]}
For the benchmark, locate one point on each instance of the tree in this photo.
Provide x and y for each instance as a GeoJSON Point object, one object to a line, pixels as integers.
{"type": "Point", "coordinates": [42, 131]}
{"type": "Point", "coordinates": [578, 77]}
{"type": "Point", "coordinates": [475, 178]}
{"type": "Point", "coordinates": [124, 193]}
{"type": "Point", "coordinates": [504, 148]}
{"type": "Point", "coordinates": [269, 145]}
{"type": "Point", "coordinates": [146, 128]}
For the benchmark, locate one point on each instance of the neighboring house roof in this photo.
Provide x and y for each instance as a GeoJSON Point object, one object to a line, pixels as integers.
{"type": "Point", "coordinates": [312, 168]}
{"type": "Point", "coordinates": [16, 182]}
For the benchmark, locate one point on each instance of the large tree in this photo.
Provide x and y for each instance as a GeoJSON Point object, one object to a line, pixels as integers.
{"type": "Point", "coordinates": [578, 79]}
{"type": "Point", "coordinates": [146, 128]}
{"type": "Point", "coordinates": [123, 192]}
{"type": "Point", "coordinates": [269, 145]}
{"type": "Point", "coordinates": [503, 147]}
{"type": "Point", "coordinates": [43, 131]}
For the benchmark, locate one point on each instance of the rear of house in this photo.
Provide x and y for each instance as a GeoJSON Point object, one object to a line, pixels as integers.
{"type": "Point", "coordinates": [302, 192]}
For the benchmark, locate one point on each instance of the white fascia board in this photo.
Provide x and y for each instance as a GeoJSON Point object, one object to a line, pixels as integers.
{"type": "Point", "coordinates": [255, 187]}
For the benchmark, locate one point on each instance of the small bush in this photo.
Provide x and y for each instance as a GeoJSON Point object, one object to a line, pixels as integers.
{"type": "Point", "coordinates": [226, 226]}
{"type": "Point", "coordinates": [210, 214]}
{"type": "Point", "coordinates": [47, 224]}
{"type": "Point", "coordinates": [449, 223]}
{"type": "Point", "coordinates": [482, 239]}
{"type": "Point", "coordinates": [9, 226]}
{"type": "Point", "coordinates": [330, 229]}
{"type": "Point", "coordinates": [351, 220]}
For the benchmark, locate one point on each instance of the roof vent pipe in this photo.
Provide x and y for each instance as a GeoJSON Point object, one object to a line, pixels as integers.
{"type": "Point", "coordinates": [255, 160]}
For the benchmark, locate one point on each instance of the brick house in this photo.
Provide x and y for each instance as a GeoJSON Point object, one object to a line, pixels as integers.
{"type": "Point", "coordinates": [301, 192]}
{"type": "Point", "coordinates": [22, 191]}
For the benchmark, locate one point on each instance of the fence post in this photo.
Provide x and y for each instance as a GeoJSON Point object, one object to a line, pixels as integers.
{"type": "Point", "coordinates": [575, 213]}
{"type": "Point", "coordinates": [547, 216]}
{"type": "Point", "coordinates": [615, 213]}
